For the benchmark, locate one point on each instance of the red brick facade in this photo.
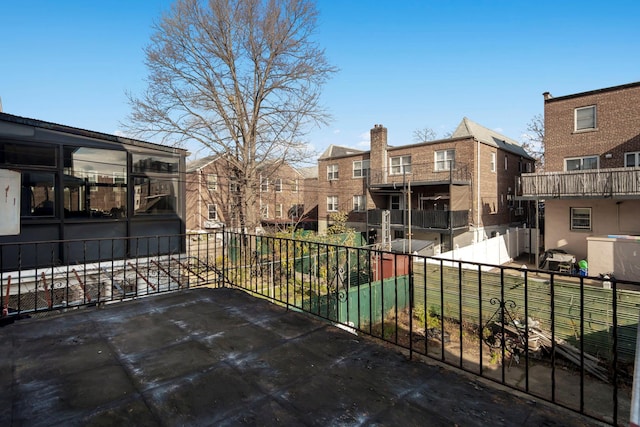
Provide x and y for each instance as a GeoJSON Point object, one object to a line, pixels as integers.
{"type": "Point", "coordinates": [211, 203]}
{"type": "Point", "coordinates": [478, 184]}
{"type": "Point", "coordinates": [617, 128]}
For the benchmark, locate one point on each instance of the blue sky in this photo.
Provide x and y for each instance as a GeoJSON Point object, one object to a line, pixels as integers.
{"type": "Point", "coordinates": [404, 64]}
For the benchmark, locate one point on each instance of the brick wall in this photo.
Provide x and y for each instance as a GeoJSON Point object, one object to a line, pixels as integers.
{"type": "Point", "coordinates": [617, 129]}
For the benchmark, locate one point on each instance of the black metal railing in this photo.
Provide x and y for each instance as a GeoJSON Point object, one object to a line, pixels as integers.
{"type": "Point", "coordinates": [558, 337]}
{"type": "Point", "coordinates": [427, 219]}
{"type": "Point", "coordinates": [422, 172]}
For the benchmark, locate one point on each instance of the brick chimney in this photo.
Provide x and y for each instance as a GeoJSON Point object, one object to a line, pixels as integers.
{"type": "Point", "coordinates": [378, 154]}
{"type": "Point", "coordinates": [547, 96]}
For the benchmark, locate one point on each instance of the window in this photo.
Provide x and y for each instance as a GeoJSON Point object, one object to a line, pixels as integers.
{"type": "Point", "coordinates": [38, 194]}
{"type": "Point", "coordinates": [212, 181]}
{"type": "Point", "coordinates": [445, 160]}
{"type": "Point", "coordinates": [581, 218]}
{"type": "Point", "coordinates": [529, 167]}
{"type": "Point", "coordinates": [213, 213]}
{"type": "Point", "coordinates": [264, 211]}
{"type": "Point", "coordinates": [264, 185]}
{"type": "Point", "coordinates": [332, 203]}
{"type": "Point", "coordinates": [27, 155]}
{"type": "Point", "coordinates": [632, 159]}
{"type": "Point", "coordinates": [400, 165]}
{"type": "Point", "coordinates": [360, 168]}
{"type": "Point", "coordinates": [581, 163]}
{"type": "Point", "coordinates": [585, 118]}
{"type": "Point", "coordinates": [278, 185]}
{"type": "Point", "coordinates": [359, 203]}
{"type": "Point", "coordinates": [506, 162]}
{"type": "Point", "coordinates": [332, 172]}
{"type": "Point", "coordinates": [234, 185]}
{"type": "Point", "coordinates": [95, 183]}
{"type": "Point", "coordinates": [395, 202]}
{"type": "Point", "coordinates": [279, 210]}
{"type": "Point", "coordinates": [493, 162]}
{"type": "Point", "coordinates": [295, 186]}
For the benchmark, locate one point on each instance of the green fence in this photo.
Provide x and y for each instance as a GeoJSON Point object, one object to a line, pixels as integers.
{"type": "Point", "coordinates": [366, 304]}
{"type": "Point", "coordinates": [445, 288]}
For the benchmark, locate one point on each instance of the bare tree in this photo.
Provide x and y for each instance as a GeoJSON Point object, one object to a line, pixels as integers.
{"type": "Point", "coordinates": [533, 140]}
{"type": "Point", "coordinates": [239, 78]}
{"type": "Point", "coordinates": [424, 134]}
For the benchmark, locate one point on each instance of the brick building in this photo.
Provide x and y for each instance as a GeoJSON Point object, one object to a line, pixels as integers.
{"type": "Point", "coordinates": [456, 189]}
{"type": "Point", "coordinates": [212, 200]}
{"type": "Point", "coordinates": [591, 187]}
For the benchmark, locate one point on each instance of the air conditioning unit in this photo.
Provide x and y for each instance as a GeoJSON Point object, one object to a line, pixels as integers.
{"type": "Point", "coordinates": [519, 211]}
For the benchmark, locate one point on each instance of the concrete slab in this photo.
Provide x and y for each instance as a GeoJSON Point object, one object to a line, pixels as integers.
{"type": "Point", "coordinates": [206, 357]}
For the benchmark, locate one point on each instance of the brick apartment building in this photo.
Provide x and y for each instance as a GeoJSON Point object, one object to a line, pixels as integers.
{"type": "Point", "coordinates": [591, 183]}
{"type": "Point", "coordinates": [212, 201]}
{"type": "Point", "coordinates": [457, 189]}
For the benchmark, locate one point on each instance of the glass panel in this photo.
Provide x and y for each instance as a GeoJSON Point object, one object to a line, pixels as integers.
{"type": "Point", "coordinates": [590, 163]}
{"type": "Point", "coordinates": [213, 212]}
{"type": "Point", "coordinates": [581, 218]}
{"type": "Point", "coordinates": [155, 195]}
{"type": "Point", "coordinates": [95, 183]}
{"type": "Point", "coordinates": [29, 155]}
{"type": "Point", "coordinates": [38, 194]}
{"type": "Point", "coordinates": [573, 164]}
{"type": "Point", "coordinates": [631, 159]}
{"type": "Point", "coordinates": [154, 163]}
{"type": "Point", "coordinates": [585, 118]}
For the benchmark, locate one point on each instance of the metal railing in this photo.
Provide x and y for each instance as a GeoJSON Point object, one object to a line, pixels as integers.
{"type": "Point", "coordinates": [427, 219]}
{"type": "Point", "coordinates": [562, 338]}
{"type": "Point", "coordinates": [422, 172]}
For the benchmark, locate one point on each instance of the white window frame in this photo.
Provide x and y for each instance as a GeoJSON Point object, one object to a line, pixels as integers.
{"type": "Point", "coordinates": [636, 157]}
{"type": "Point", "coordinates": [211, 217]}
{"type": "Point", "coordinates": [212, 182]}
{"type": "Point", "coordinates": [593, 118]}
{"type": "Point", "coordinates": [582, 159]}
{"type": "Point", "coordinates": [395, 200]}
{"type": "Point", "coordinates": [400, 165]}
{"type": "Point", "coordinates": [295, 186]}
{"type": "Point", "coordinates": [277, 185]}
{"type": "Point", "coordinates": [359, 203]}
{"type": "Point", "coordinates": [332, 172]}
{"type": "Point", "coordinates": [264, 211]}
{"type": "Point", "coordinates": [279, 210]}
{"type": "Point", "coordinates": [332, 203]}
{"type": "Point", "coordinates": [264, 185]}
{"type": "Point", "coordinates": [493, 162]}
{"type": "Point", "coordinates": [447, 162]}
{"type": "Point", "coordinates": [580, 214]}
{"type": "Point", "coordinates": [361, 168]}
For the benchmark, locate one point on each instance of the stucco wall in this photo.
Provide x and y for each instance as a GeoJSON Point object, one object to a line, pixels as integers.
{"type": "Point", "coordinates": [618, 255]}
{"type": "Point", "coordinates": [607, 217]}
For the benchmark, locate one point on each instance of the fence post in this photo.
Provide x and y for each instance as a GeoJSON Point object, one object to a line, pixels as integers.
{"type": "Point", "coordinates": [634, 420]}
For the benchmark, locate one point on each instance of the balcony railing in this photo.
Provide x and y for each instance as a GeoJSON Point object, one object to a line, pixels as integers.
{"type": "Point", "coordinates": [425, 172]}
{"type": "Point", "coordinates": [423, 218]}
{"type": "Point", "coordinates": [584, 183]}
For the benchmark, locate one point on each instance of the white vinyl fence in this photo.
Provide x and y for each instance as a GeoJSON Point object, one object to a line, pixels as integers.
{"type": "Point", "coordinates": [495, 251]}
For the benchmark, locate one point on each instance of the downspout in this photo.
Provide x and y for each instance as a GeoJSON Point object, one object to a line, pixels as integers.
{"type": "Point", "coordinates": [200, 200]}
{"type": "Point", "coordinates": [478, 191]}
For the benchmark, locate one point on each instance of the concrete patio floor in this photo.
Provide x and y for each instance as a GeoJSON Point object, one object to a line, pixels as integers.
{"type": "Point", "coordinates": [206, 357]}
